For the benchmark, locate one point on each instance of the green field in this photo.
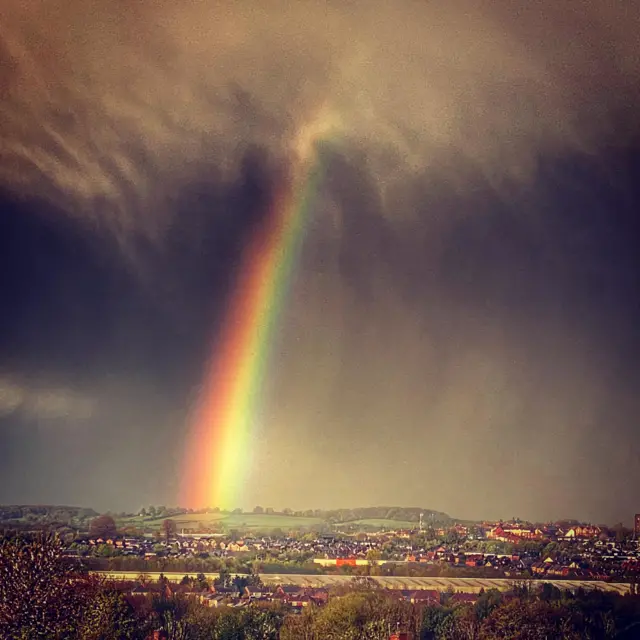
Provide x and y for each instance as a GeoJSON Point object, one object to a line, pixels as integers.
{"type": "Point", "coordinates": [382, 523]}
{"type": "Point", "coordinates": [258, 521]}
{"type": "Point", "coordinates": [228, 521]}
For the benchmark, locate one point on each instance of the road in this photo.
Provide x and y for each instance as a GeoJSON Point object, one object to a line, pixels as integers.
{"type": "Point", "coordinates": [466, 585]}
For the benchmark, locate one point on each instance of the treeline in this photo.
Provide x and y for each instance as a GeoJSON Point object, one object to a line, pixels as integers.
{"type": "Point", "coordinates": [55, 513]}
{"type": "Point", "coordinates": [79, 516]}
{"type": "Point", "coordinates": [250, 564]}
{"type": "Point", "coordinates": [196, 564]}
{"type": "Point", "coordinates": [409, 514]}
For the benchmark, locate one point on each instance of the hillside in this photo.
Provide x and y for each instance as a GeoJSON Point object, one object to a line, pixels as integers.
{"type": "Point", "coordinates": [227, 521]}
{"type": "Point", "coordinates": [29, 515]}
{"type": "Point", "coordinates": [38, 516]}
{"type": "Point", "coordinates": [405, 514]}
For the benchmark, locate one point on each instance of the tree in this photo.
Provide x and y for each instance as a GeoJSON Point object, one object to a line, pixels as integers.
{"type": "Point", "coordinates": [38, 595]}
{"type": "Point", "coordinates": [103, 527]}
{"type": "Point", "coordinates": [487, 602]}
{"type": "Point", "coordinates": [363, 615]}
{"type": "Point", "coordinates": [258, 510]}
{"type": "Point", "coordinates": [169, 527]}
{"type": "Point", "coordinates": [224, 579]}
{"type": "Point", "coordinates": [111, 617]}
{"type": "Point", "coordinates": [434, 620]}
{"type": "Point", "coordinates": [201, 580]}
{"type": "Point", "coordinates": [525, 620]}
{"type": "Point", "coordinates": [172, 612]}
{"type": "Point", "coordinates": [143, 512]}
{"type": "Point", "coordinates": [261, 623]}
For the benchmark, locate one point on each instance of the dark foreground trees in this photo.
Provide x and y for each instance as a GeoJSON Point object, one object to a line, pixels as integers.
{"type": "Point", "coordinates": [38, 596]}
{"type": "Point", "coordinates": [44, 597]}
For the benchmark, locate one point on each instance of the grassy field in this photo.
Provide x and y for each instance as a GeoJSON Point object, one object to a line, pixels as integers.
{"type": "Point", "coordinates": [382, 523]}
{"type": "Point", "coordinates": [228, 521]}
{"type": "Point", "coordinates": [258, 521]}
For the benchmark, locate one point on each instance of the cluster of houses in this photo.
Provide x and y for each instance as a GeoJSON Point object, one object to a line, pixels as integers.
{"type": "Point", "coordinates": [583, 551]}
{"type": "Point", "coordinates": [297, 598]}
{"type": "Point", "coordinates": [220, 546]}
{"type": "Point", "coordinates": [516, 532]}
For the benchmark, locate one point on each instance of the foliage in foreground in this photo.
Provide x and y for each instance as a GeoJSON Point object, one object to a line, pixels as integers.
{"type": "Point", "coordinates": [43, 597]}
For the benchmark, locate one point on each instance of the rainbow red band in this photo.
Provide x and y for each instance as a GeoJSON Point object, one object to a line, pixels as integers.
{"type": "Point", "coordinates": [219, 441]}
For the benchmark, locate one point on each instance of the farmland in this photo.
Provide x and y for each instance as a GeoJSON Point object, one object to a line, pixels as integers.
{"type": "Point", "coordinates": [380, 523]}
{"type": "Point", "coordinates": [462, 585]}
{"type": "Point", "coordinates": [262, 522]}
{"type": "Point", "coordinates": [257, 521]}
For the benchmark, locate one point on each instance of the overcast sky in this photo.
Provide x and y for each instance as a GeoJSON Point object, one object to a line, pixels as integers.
{"type": "Point", "coordinates": [462, 327]}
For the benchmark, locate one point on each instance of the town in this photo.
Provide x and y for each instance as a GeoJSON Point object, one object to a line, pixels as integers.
{"type": "Point", "coordinates": [427, 577]}
{"type": "Point", "coordinates": [515, 550]}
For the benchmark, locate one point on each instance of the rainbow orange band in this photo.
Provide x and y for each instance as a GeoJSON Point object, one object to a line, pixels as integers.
{"type": "Point", "coordinates": [219, 442]}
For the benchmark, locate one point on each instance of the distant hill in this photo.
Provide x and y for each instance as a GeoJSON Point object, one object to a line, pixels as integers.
{"type": "Point", "coordinates": [43, 516]}
{"type": "Point", "coordinates": [404, 514]}
{"type": "Point", "coordinates": [29, 514]}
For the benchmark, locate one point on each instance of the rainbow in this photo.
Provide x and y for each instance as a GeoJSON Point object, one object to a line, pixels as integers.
{"type": "Point", "coordinates": [219, 440]}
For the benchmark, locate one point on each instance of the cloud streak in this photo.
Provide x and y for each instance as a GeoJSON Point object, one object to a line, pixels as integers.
{"type": "Point", "coordinates": [43, 403]}
{"type": "Point", "coordinates": [107, 109]}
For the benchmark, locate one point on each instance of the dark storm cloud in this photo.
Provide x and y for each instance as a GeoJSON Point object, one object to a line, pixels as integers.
{"type": "Point", "coordinates": [485, 360]}
{"type": "Point", "coordinates": [465, 304]}
{"type": "Point", "coordinates": [108, 108]}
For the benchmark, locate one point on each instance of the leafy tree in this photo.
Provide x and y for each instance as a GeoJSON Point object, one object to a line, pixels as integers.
{"type": "Point", "coordinates": [224, 579]}
{"type": "Point", "coordinates": [172, 614]}
{"type": "Point", "coordinates": [487, 602]}
{"type": "Point", "coordinates": [38, 595]}
{"type": "Point", "coordinates": [169, 527]}
{"type": "Point", "coordinates": [250, 580]}
{"type": "Point", "coordinates": [526, 620]}
{"type": "Point", "coordinates": [201, 580]}
{"type": "Point", "coordinates": [434, 622]}
{"type": "Point", "coordinates": [111, 617]}
{"type": "Point", "coordinates": [262, 623]}
{"type": "Point", "coordinates": [363, 615]}
{"type": "Point", "coordinates": [258, 510]}
{"type": "Point", "coordinates": [103, 527]}
{"type": "Point", "coordinates": [374, 556]}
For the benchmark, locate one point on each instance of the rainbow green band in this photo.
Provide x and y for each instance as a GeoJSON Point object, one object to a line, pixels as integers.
{"type": "Point", "coordinates": [219, 442]}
